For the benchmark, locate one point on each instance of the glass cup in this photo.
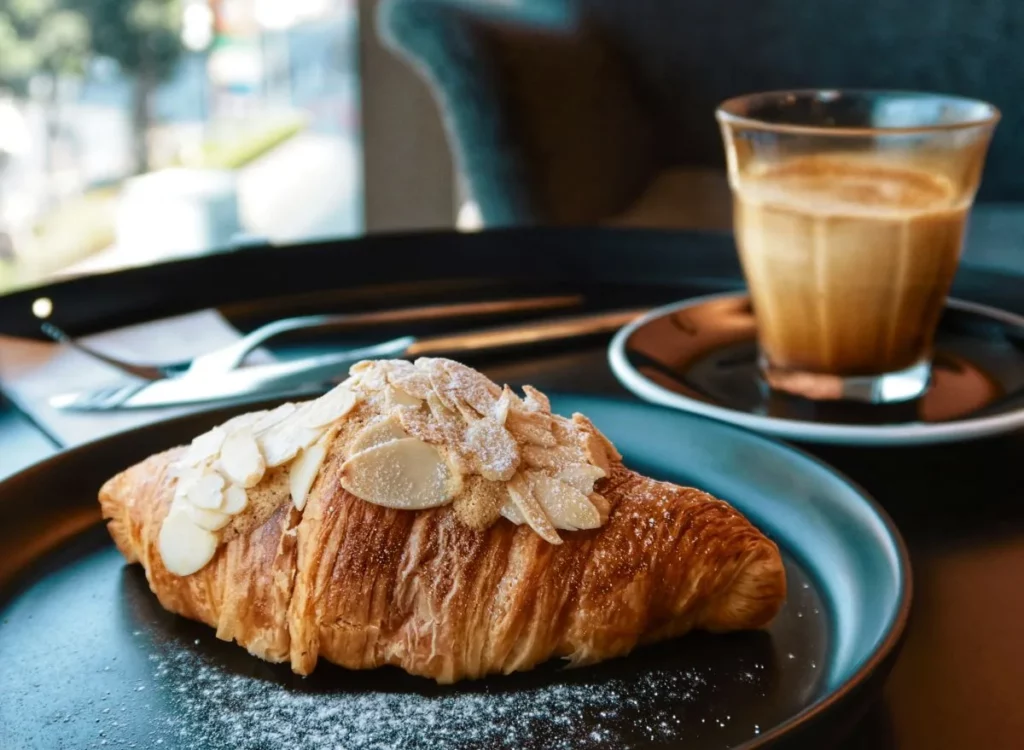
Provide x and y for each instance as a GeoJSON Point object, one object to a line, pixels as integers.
{"type": "Point", "coordinates": [849, 215]}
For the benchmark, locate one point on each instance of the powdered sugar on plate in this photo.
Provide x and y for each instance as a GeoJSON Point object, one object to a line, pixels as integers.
{"type": "Point", "coordinates": [215, 708]}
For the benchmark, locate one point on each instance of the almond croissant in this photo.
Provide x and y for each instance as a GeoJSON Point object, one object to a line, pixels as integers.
{"type": "Point", "coordinates": [425, 533]}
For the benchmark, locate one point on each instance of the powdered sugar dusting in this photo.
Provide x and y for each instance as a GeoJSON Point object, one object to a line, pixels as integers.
{"type": "Point", "coordinates": [214, 707]}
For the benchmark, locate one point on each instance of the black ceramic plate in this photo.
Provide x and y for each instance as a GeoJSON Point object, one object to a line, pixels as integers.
{"type": "Point", "coordinates": [89, 659]}
{"type": "Point", "coordinates": [700, 355]}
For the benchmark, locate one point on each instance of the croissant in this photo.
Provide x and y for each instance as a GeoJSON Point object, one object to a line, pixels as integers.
{"type": "Point", "coordinates": [419, 516]}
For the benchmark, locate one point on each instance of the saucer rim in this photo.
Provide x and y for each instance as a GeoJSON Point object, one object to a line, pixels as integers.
{"type": "Point", "coordinates": [917, 433]}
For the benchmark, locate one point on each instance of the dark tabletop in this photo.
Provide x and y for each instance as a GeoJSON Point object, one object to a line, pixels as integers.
{"type": "Point", "coordinates": [959, 680]}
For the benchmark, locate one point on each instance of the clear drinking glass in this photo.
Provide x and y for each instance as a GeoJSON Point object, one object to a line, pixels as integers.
{"type": "Point", "coordinates": [849, 215]}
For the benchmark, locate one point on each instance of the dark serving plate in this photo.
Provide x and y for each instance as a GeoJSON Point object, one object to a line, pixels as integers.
{"type": "Point", "coordinates": [89, 659]}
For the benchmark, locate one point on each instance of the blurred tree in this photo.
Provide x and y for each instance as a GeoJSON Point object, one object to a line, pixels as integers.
{"type": "Point", "coordinates": [40, 37]}
{"type": "Point", "coordinates": [41, 41]}
{"type": "Point", "coordinates": [144, 38]}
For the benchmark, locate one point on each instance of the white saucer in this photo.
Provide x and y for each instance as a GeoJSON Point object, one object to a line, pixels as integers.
{"type": "Point", "coordinates": [699, 356]}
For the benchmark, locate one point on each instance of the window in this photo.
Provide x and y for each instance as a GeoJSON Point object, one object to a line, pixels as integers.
{"type": "Point", "coordinates": [177, 127]}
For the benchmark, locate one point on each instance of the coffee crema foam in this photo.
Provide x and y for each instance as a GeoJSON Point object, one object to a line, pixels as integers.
{"type": "Point", "coordinates": [848, 259]}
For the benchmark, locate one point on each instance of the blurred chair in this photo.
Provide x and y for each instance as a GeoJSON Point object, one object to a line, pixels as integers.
{"type": "Point", "coordinates": [602, 111]}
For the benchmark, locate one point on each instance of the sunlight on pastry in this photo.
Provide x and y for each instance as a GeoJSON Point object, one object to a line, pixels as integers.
{"type": "Point", "coordinates": [432, 477]}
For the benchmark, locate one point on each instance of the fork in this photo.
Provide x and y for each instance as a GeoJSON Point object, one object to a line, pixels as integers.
{"type": "Point", "coordinates": [231, 356]}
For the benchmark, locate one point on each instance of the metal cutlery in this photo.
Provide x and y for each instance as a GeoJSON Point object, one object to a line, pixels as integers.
{"type": "Point", "coordinates": [231, 356]}
{"type": "Point", "coordinates": [309, 374]}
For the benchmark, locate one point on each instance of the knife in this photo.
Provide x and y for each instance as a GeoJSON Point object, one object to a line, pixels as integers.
{"type": "Point", "coordinates": [307, 376]}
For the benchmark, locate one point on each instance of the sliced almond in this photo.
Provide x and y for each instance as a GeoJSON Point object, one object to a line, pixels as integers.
{"type": "Point", "coordinates": [211, 520]}
{"type": "Point", "coordinates": [581, 476]}
{"type": "Point", "coordinates": [447, 422]}
{"type": "Point", "coordinates": [274, 417]}
{"type": "Point", "coordinates": [187, 477]}
{"type": "Point", "coordinates": [530, 430]}
{"type": "Point", "coordinates": [535, 400]}
{"type": "Point", "coordinates": [471, 386]}
{"type": "Point", "coordinates": [204, 447]}
{"type": "Point", "coordinates": [495, 452]}
{"type": "Point", "coordinates": [185, 547]}
{"type": "Point", "coordinates": [377, 433]}
{"type": "Point", "coordinates": [440, 380]}
{"type": "Point", "coordinates": [468, 413]}
{"type": "Point", "coordinates": [511, 511]}
{"type": "Point", "coordinates": [367, 375]}
{"type": "Point", "coordinates": [503, 405]}
{"type": "Point", "coordinates": [396, 397]}
{"type": "Point", "coordinates": [531, 510]}
{"type": "Point", "coordinates": [595, 451]}
{"type": "Point", "coordinates": [236, 499]}
{"type": "Point", "coordinates": [609, 448]}
{"type": "Point", "coordinates": [281, 444]}
{"type": "Point", "coordinates": [302, 473]}
{"type": "Point", "coordinates": [207, 491]}
{"type": "Point", "coordinates": [407, 473]}
{"type": "Point", "coordinates": [241, 459]}
{"type": "Point", "coordinates": [405, 376]}
{"type": "Point", "coordinates": [549, 458]}
{"type": "Point", "coordinates": [243, 421]}
{"type": "Point", "coordinates": [330, 407]}
{"type": "Point", "coordinates": [567, 507]}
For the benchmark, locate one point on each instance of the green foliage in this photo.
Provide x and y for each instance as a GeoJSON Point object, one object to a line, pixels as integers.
{"type": "Point", "coordinates": [40, 36]}
{"type": "Point", "coordinates": [57, 37]}
{"type": "Point", "coordinates": [143, 36]}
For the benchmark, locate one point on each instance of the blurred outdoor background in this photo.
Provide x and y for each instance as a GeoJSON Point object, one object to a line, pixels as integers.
{"type": "Point", "coordinates": [132, 130]}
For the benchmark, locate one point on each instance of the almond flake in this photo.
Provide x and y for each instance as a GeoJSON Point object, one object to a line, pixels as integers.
{"type": "Point", "coordinates": [404, 376]}
{"type": "Point", "coordinates": [511, 511]}
{"type": "Point", "coordinates": [530, 430]}
{"type": "Point", "coordinates": [303, 471]}
{"type": "Point", "coordinates": [204, 447]}
{"type": "Point", "coordinates": [367, 375]}
{"type": "Point", "coordinates": [236, 499]}
{"type": "Point", "coordinates": [496, 454]}
{"type": "Point", "coordinates": [377, 433]}
{"type": "Point", "coordinates": [535, 400]}
{"type": "Point", "coordinates": [549, 458]}
{"type": "Point", "coordinates": [531, 510]}
{"type": "Point", "coordinates": [280, 445]}
{"type": "Point", "coordinates": [241, 460]}
{"type": "Point", "coordinates": [581, 476]}
{"type": "Point", "coordinates": [185, 547]}
{"type": "Point", "coordinates": [396, 397]}
{"type": "Point", "coordinates": [274, 417]}
{"type": "Point", "coordinates": [243, 421]}
{"type": "Point", "coordinates": [187, 477]}
{"type": "Point", "coordinates": [440, 380]}
{"type": "Point", "coordinates": [330, 407]}
{"type": "Point", "coordinates": [407, 473]}
{"type": "Point", "coordinates": [207, 491]}
{"type": "Point", "coordinates": [581, 421]}
{"type": "Point", "coordinates": [567, 507]}
{"type": "Point", "coordinates": [449, 425]}
{"type": "Point", "coordinates": [595, 452]}
{"type": "Point", "coordinates": [211, 520]}
{"type": "Point", "coordinates": [504, 403]}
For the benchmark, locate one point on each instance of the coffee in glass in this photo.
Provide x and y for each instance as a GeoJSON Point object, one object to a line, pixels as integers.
{"type": "Point", "coordinates": [849, 215]}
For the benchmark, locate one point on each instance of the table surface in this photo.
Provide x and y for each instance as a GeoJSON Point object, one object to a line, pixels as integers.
{"type": "Point", "coordinates": [960, 677]}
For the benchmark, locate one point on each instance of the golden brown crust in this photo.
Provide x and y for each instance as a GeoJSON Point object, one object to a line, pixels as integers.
{"type": "Point", "coordinates": [363, 585]}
